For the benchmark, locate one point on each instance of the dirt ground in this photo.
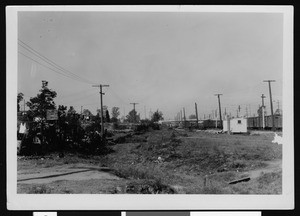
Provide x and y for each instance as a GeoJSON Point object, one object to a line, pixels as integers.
{"type": "Point", "coordinates": [66, 172]}
{"type": "Point", "coordinates": [73, 174]}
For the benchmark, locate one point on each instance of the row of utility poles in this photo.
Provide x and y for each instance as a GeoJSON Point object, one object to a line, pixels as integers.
{"type": "Point", "coordinates": [100, 86]}
{"type": "Point", "coordinates": [179, 115]}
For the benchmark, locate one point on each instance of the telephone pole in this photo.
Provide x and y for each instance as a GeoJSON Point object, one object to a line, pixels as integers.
{"type": "Point", "coordinates": [250, 109]}
{"type": "Point", "coordinates": [263, 110]}
{"type": "Point", "coordinates": [269, 81]}
{"type": "Point", "coordinates": [221, 123]}
{"type": "Point", "coordinates": [134, 111]}
{"type": "Point", "coordinates": [180, 115]}
{"type": "Point", "coordinates": [101, 104]}
{"type": "Point", "coordinates": [278, 103]}
{"type": "Point", "coordinates": [184, 117]}
{"type": "Point", "coordinates": [196, 110]}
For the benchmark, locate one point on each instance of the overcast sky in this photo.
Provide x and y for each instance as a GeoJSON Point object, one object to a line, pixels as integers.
{"type": "Point", "coordinates": [163, 61]}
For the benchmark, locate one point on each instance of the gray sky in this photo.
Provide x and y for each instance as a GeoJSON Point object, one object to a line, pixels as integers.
{"type": "Point", "coordinates": [163, 61]}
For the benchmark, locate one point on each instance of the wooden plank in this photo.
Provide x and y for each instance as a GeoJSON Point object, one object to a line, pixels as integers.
{"type": "Point", "coordinates": [240, 180]}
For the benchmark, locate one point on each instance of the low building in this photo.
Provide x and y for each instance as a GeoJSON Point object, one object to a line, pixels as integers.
{"type": "Point", "coordinates": [236, 125]}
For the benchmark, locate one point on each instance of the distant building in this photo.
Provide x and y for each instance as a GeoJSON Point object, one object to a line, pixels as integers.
{"type": "Point", "coordinates": [278, 112]}
{"type": "Point", "coordinates": [237, 125]}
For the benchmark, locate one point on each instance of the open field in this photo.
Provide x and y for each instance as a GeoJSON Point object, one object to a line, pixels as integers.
{"type": "Point", "coordinates": [163, 161]}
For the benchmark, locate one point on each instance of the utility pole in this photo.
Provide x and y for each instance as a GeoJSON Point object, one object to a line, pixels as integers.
{"type": "Point", "coordinates": [81, 111]}
{"type": "Point", "coordinates": [250, 110]}
{"type": "Point", "coordinates": [134, 111]}
{"type": "Point", "coordinates": [278, 103]}
{"type": "Point", "coordinates": [150, 113]}
{"type": "Point", "coordinates": [263, 110]}
{"type": "Point", "coordinates": [269, 81]}
{"type": "Point", "coordinates": [184, 117]}
{"type": "Point", "coordinates": [181, 115]}
{"type": "Point", "coordinates": [228, 124]}
{"type": "Point", "coordinates": [221, 123]}
{"type": "Point", "coordinates": [101, 104]}
{"type": "Point", "coordinates": [196, 110]}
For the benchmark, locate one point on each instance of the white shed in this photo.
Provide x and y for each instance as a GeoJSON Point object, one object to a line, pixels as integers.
{"type": "Point", "coordinates": [237, 125]}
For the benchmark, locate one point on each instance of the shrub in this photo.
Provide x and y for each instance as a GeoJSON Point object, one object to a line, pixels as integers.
{"type": "Point", "coordinates": [95, 144]}
{"type": "Point", "coordinates": [40, 189]}
{"type": "Point", "coordinates": [149, 187]}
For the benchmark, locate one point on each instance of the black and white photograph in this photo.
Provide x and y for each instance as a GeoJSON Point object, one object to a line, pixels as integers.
{"type": "Point", "coordinates": [190, 106]}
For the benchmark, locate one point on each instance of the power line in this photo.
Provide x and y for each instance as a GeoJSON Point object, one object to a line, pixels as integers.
{"type": "Point", "coordinates": [49, 61]}
{"type": "Point", "coordinates": [80, 98]}
{"type": "Point", "coordinates": [117, 96]}
{"type": "Point", "coordinates": [45, 65]}
{"type": "Point", "coordinates": [62, 71]}
{"type": "Point", "coordinates": [73, 94]}
{"type": "Point", "coordinates": [52, 63]}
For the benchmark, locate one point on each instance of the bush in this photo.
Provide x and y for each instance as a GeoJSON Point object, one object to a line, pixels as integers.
{"type": "Point", "coordinates": [95, 144]}
{"type": "Point", "coordinates": [148, 187]}
{"type": "Point", "coordinates": [41, 189]}
{"type": "Point", "coordinates": [146, 124]}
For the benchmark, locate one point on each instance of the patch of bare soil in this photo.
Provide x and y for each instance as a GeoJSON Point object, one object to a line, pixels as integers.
{"type": "Point", "coordinates": [76, 172]}
{"type": "Point", "coordinates": [272, 166]}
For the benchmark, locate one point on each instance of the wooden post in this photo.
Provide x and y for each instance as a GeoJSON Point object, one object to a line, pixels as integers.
{"type": "Point", "coordinates": [196, 114]}
{"type": "Point", "coordinates": [228, 124]}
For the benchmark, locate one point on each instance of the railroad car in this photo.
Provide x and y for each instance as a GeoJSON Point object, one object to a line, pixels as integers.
{"type": "Point", "coordinates": [256, 122]}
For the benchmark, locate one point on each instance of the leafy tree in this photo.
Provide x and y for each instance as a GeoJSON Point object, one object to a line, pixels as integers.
{"type": "Point", "coordinates": [44, 100]}
{"type": "Point", "coordinates": [62, 117]}
{"type": "Point", "coordinates": [87, 113]}
{"type": "Point", "coordinates": [132, 117]}
{"type": "Point", "coordinates": [74, 126]}
{"type": "Point", "coordinates": [98, 113]}
{"type": "Point", "coordinates": [104, 111]}
{"type": "Point", "coordinates": [193, 116]}
{"type": "Point", "coordinates": [107, 117]}
{"type": "Point", "coordinates": [157, 115]}
{"type": "Point", "coordinates": [19, 99]}
{"type": "Point", "coordinates": [115, 114]}
{"type": "Point", "coordinates": [71, 111]}
{"type": "Point", "coordinates": [61, 112]}
{"type": "Point", "coordinates": [72, 117]}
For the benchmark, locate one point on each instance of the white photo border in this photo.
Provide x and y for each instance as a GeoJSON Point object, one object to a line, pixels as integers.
{"type": "Point", "coordinates": [150, 202]}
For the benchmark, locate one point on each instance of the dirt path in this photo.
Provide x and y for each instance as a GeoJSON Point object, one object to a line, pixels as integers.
{"type": "Point", "coordinates": [272, 166]}
{"type": "Point", "coordinates": [65, 172]}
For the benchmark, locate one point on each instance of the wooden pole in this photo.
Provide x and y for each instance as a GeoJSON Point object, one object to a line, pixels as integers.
{"type": "Point", "coordinates": [196, 110]}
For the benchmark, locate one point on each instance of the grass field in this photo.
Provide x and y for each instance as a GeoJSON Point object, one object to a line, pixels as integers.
{"type": "Point", "coordinates": [168, 161]}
